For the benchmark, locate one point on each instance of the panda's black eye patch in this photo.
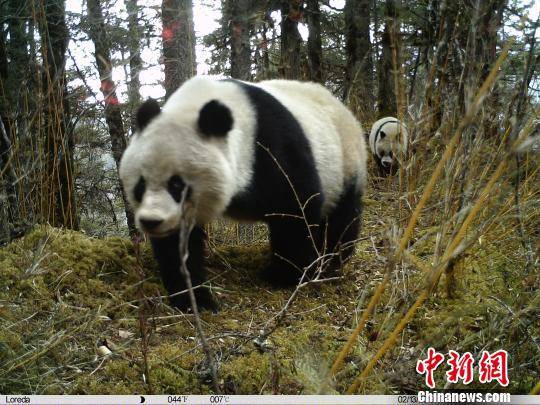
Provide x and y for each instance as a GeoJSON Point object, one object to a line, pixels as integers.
{"type": "Point", "coordinates": [175, 187]}
{"type": "Point", "coordinates": [382, 135]}
{"type": "Point", "coordinates": [390, 154]}
{"type": "Point", "coordinates": [139, 189]}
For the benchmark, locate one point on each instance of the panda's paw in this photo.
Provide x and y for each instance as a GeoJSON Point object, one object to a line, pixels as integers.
{"type": "Point", "coordinates": [281, 275]}
{"type": "Point", "coordinates": [203, 297]}
{"type": "Point", "coordinates": [205, 300]}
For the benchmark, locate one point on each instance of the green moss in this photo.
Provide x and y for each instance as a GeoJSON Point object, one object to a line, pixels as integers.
{"type": "Point", "coordinates": [248, 374]}
{"type": "Point", "coordinates": [62, 294]}
{"type": "Point", "coordinates": [116, 375]}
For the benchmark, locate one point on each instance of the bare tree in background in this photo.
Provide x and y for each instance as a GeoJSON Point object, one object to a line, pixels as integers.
{"type": "Point", "coordinates": [291, 13]}
{"type": "Point", "coordinates": [314, 43]}
{"type": "Point", "coordinates": [359, 69]}
{"type": "Point", "coordinates": [135, 62]}
{"type": "Point", "coordinates": [178, 43]}
{"type": "Point", "coordinates": [113, 113]}
{"type": "Point", "coordinates": [237, 14]}
{"type": "Point", "coordinates": [9, 103]}
{"type": "Point", "coordinates": [386, 98]}
{"type": "Point", "coordinates": [57, 196]}
{"type": "Point", "coordinates": [266, 34]}
{"type": "Point", "coordinates": [491, 20]}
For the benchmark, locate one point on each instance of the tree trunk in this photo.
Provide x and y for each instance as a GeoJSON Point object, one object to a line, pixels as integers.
{"type": "Point", "coordinates": [13, 75]}
{"type": "Point", "coordinates": [7, 180]}
{"type": "Point", "coordinates": [291, 12]}
{"type": "Point", "coordinates": [314, 43]}
{"type": "Point", "coordinates": [386, 98]}
{"type": "Point", "coordinates": [135, 62]}
{"type": "Point", "coordinates": [178, 43]}
{"type": "Point", "coordinates": [358, 84]}
{"type": "Point", "coordinates": [58, 197]}
{"type": "Point", "coordinates": [113, 114]}
{"type": "Point", "coordinates": [3, 59]}
{"type": "Point", "coordinates": [439, 69]}
{"type": "Point", "coordinates": [8, 177]}
{"type": "Point", "coordinates": [491, 22]}
{"type": "Point", "coordinates": [18, 16]}
{"type": "Point", "coordinates": [237, 17]}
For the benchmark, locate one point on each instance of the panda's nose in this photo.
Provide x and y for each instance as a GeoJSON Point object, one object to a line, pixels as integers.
{"type": "Point", "coordinates": [386, 162]}
{"type": "Point", "coordinates": [150, 224]}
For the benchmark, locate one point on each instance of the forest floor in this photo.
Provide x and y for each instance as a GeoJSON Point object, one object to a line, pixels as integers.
{"type": "Point", "coordinates": [64, 295]}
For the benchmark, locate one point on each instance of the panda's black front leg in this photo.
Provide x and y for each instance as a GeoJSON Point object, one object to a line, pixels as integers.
{"type": "Point", "coordinates": [293, 249]}
{"type": "Point", "coordinates": [167, 253]}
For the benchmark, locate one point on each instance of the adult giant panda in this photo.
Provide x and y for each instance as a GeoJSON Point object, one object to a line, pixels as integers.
{"type": "Point", "coordinates": [388, 141]}
{"type": "Point", "coordinates": [283, 152]}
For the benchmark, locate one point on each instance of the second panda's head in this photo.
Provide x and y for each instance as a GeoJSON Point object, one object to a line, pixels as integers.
{"type": "Point", "coordinates": [388, 141]}
{"type": "Point", "coordinates": [175, 151]}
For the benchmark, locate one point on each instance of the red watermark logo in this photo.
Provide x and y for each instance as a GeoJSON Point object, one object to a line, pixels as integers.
{"type": "Point", "coordinates": [429, 365]}
{"type": "Point", "coordinates": [494, 367]}
{"type": "Point", "coordinates": [491, 367]}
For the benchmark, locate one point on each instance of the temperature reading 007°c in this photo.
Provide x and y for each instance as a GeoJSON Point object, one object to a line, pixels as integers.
{"type": "Point", "coordinates": [219, 399]}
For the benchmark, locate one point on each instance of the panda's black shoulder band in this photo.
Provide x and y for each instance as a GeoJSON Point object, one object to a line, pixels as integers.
{"type": "Point", "coordinates": [215, 119]}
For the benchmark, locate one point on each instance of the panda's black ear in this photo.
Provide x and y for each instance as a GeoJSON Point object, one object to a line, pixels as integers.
{"type": "Point", "coordinates": [147, 112]}
{"type": "Point", "coordinates": [215, 119]}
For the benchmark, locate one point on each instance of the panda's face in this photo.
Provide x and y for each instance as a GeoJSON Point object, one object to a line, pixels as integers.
{"type": "Point", "coordinates": [159, 205]}
{"type": "Point", "coordinates": [386, 147]}
{"type": "Point", "coordinates": [171, 157]}
{"type": "Point", "coordinates": [389, 147]}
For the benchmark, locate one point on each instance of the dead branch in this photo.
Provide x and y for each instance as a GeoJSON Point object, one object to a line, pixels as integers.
{"type": "Point", "coordinates": [187, 223]}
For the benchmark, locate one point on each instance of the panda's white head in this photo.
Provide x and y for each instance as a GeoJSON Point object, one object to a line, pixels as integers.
{"type": "Point", "coordinates": [388, 142]}
{"type": "Point", "coordinates": [177, 149]}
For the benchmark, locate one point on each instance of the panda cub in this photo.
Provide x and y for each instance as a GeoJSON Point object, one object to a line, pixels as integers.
{"type": "Point", "coordinates": [388, 141]}
{"type": "Point", "coordinates": [282, 152]}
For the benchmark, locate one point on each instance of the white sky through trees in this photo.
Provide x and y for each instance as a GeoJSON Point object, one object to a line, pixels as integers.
{"type": "Point", "coordinates": [206, 15]}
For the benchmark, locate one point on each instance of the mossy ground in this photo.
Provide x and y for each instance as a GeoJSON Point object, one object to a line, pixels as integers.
{"type": "Point", "coordinates": [64, 294]}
